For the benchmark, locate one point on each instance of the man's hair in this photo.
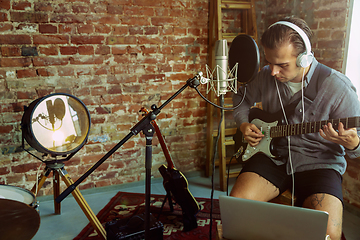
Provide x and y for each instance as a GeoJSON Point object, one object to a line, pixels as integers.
{"type": "Point", "coordinates": [279, 34]}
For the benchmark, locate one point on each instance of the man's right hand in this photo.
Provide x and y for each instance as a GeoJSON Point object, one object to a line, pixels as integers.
{"type": "Point", "coordinates": [251, 133]}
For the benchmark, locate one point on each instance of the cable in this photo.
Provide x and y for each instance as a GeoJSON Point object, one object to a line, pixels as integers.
{"type": "Point", "coordinates": [213, 173]}
{"type": "Point", "coordinates": [223, 108]}
{"type": "Point", "coordinates": [288, 140]}
{"type": "Point", "coordinates": [228, 175]}
{"type": "Point", "coordinates": [302, 96]}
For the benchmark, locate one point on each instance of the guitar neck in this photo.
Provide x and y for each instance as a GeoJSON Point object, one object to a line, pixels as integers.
{"type": "Point", "coordinates": [163, 145]}
{"type": "Point", "coordinates": [311, 127]}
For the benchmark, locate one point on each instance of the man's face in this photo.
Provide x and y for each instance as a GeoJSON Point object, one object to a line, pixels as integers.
{"type": "Point", "coordinates": [282, 63]}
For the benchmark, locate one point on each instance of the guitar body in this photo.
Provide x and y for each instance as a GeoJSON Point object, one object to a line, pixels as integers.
{"type": "Point", "coordinates": [176, 183]}
{"type": "Point", "coordinates": [264, 145]}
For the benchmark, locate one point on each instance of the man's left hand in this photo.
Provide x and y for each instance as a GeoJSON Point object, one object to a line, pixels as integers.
{"type": "Point", "coordinates": [346, 137]}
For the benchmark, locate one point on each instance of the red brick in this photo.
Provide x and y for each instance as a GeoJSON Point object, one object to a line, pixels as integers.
{"type": "Point", "coordinates": [181, 40]}
{"type": "Point", "coordinates": [83, 71]}
{"type": "Point", "coordinates": [138, 11]}
{"type": "Point", "coordinates": [66, 71]}
{"type": "Point", "coordinates": [68, 18]}
{"type": "Point", "coordinates": [100, 28]}
{"type": "Point", "coordinates": [24, 168]}
{"type": "Point", "coordinates": [69, 50]}
{"type": "Point", "coordinates": [163, 21]}
{"type": "Point", "coordinates": [151, 30]}
{"type": "Point", "coordinates": [136, 30]}
{"type": "Point", "coordinates": [121, 30]}
{"type": "Point", "coordinates": [10, 51]}
{"type": "Point", "coordinates": [46, 72]}
{"type": "Point", "coordinates": [5, 26]}
{"type": "Point", "coordinates": [86, 50]}
{"type": "Point", "coordinates": [119, 50]}
{"type": "Point", "coordinates": [21, 5]}
{"type": "Point", "coordinates": [3, 17]}
{"type": "Point", "coordinates": [103, 20]}
{"type": "Point", "coordinates": [5, 4]}
{"type": "Point", "coordinates": [102, 50]}
{"type": "Point", "coordinates": [49, 51]}
{"type": "Point", "coordinates": [15, 62]}
{"type": "Point", "coordinates": [6, 129]}
{"type": "Point", "coordinates": [154, 3]}
{"type": "Point", "coordinates": [121, 40]}
{"type": "Point", "coordinates": [4, 170]}
{"type": "Point", "coordinates": [131, 21]}
{"type": "Point", "coordinates": [47, 28]}
{"type": "Point", "coordinates": [98, 8]}
{"type": "Point", "coordinates": [150, 40]}
{"type": "Point", "coordinates": [43, 7]}
{"type": "Point", "coordinates": [103, 70]}
{"type": "Point", "coordinates": [330, 44]}
{"type": "Point", "coordinates": [67, 28]}
{"type": "Point", "coordinates": [88, 28]}
{"type": "Point", "coordinates": [80, 8]}
{"type": "Point", "coordinates": [29, 17]}
{"type": "Point", "coordinates": [115, 9]}
{"type": "Point", "coordinates": [51, 39]}
{"type": "Point", "coordinates": [25, 73]}
{"type": "Point", "coordinates": [87, 39]}
{"type": "Point", "coordinates": [50, 61]}
{"type": "Point", "coordinates": [15, 39]}
{"type": "Point", "coordinates": [86, 60]}
{"type": "Point", "coordinates": [115, 89]}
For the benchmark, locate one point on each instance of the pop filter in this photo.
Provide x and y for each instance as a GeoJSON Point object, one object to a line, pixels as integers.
{"type": "Point", "coordinates": [245, 52]}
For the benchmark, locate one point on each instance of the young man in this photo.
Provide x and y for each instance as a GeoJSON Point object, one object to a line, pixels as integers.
{"type": "Point", "coordinates": [315, 160]}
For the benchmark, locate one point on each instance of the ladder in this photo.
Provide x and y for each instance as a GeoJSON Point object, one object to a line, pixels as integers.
{"type": "Point", "coordinates": [228, 18]}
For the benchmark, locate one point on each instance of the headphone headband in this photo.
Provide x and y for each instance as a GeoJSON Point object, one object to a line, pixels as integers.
{"type": "Point", "coordinates": [304, 59]}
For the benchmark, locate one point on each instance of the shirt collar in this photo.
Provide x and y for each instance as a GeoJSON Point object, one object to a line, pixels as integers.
{"type": "Point", "coordinates": [311, 71]}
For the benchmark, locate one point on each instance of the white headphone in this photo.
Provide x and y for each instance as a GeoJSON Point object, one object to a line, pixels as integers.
{"type": "Point", "coordinates": [304, 59]}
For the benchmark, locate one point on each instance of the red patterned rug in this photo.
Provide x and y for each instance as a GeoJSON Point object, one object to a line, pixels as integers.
{"type": "Point", "coordinates": [125, 205]}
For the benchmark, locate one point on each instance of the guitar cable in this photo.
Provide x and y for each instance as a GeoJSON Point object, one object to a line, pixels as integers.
{"type": "Point", "coordinates": [288, 137]}
{"type": "Point", "coordinates": [213, 173]}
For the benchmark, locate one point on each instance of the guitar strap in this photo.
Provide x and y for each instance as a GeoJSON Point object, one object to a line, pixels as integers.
{"type": "Point", "coordinates": [320, 73]}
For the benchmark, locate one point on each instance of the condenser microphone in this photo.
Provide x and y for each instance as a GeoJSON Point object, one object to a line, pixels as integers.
{"type": "Point", "coordinates": [221, 80]}
{"type": "Point", "coordinates": [221, 65]}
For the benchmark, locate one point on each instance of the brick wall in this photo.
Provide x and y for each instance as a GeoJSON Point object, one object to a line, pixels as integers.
{"type": "Point", "coordinates": [116, 56]}
{"type": "Point", "coordinates": [120, 55]}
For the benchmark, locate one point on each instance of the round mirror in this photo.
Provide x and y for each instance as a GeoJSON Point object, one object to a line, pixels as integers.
{"type": "Point", "coordinates": [57, 124]}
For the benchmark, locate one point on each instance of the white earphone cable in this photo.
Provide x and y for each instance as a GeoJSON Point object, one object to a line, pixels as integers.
{"type": "Point", "coordinates": [288, 140]}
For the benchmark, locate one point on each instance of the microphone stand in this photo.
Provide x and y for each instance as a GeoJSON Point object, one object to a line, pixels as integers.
{"type": "Point", "coordinates": [146, 127]}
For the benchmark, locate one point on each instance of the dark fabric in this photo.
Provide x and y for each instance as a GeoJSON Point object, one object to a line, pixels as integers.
{"type": "Point", "coordinates": [306, 183]}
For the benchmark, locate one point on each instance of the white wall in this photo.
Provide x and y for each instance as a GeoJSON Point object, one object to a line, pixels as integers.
{"type": "Point", "coordinates": [352, 68]}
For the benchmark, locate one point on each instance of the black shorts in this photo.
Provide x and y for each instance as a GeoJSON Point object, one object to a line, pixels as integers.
{"type": "Point", "coordinates": [306, 184]}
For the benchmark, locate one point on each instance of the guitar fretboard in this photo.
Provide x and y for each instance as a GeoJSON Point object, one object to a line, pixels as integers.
{"type": "Point", "coordinates": [311, 127]}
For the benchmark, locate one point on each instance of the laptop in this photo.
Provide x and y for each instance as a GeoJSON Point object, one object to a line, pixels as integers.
{"type": "Point", "coordinates": [244, 219]}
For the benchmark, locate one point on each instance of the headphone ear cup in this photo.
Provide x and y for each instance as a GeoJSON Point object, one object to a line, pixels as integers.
{"type": "Point", "coordinates": [304, 60]}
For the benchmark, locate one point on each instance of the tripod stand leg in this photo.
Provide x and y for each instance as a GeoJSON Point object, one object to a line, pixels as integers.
{"type": "Point", "coordinates": [41, 181]}
{"type": "Point", "coordinates": [56, 185]}
{"type": "Point", "coordinates": [83, 204]}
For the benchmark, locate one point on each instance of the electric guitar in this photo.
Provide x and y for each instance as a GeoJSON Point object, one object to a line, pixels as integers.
{"type": "Point", "coordinates": [176, 185]}
{"type": "Point", "coordinates": [271, 130]}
